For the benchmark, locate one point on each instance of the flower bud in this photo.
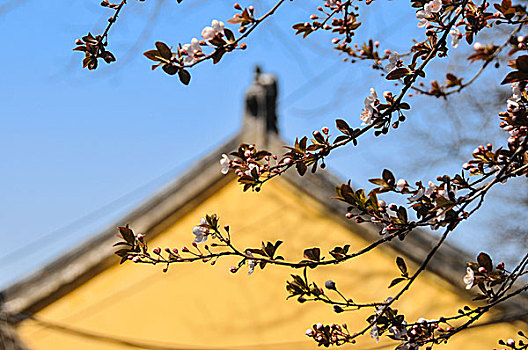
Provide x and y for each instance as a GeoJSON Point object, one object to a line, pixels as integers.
{"type": "Point", "coordinates": [156, 250]}
{"type": "Point", "coordinates": [309, 332]}
{"type": "Point", "coordinates": [401, 184]}
{"type": "Point", "coordinates": [330, 285]}
{"type": "Point", "coordinates": [237, 6]}
{"type": "Point", "coordinates": [338, 309]}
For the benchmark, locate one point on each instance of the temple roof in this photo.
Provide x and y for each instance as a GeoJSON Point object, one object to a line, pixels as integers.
{"type": "Point", "coordinates": [199, 182]}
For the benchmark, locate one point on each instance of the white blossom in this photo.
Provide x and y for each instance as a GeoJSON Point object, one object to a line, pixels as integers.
{"type": "Point", "coordinates": [516, 98]}
{"type": "Point", "coordinates": [516, 91]}
{"type": "Point", "coordinates": [469, 278]}
{"type": "Point", "coordinates": [455, 37]}
{"type": "Point", "coordinates": [425, 14]}
{"type": "Point", "coordinates": [252, 166]}
{"type": "Point", "coordinates": [401, 184]}
{"type": "Point", "coordinates": [419, 194]}
{"type": "Point", "coordinates": [394, 58]}
{"type": "Point", "coordinates": [250, 263]}
{"type": "Point", "coordinates": [370, 107]}
{"type": "Point", "coordinates": [224, 161]}
{"type": "Point", "coordinates": [397, 332]}
{"type": "Point", "coordinates": [433, 6]}
{"type": "Point", "coordinates": [217, 27]}
{"type": "Point", "coordinates": [374, 334]}
{"type": "Point", "coordinates": [430, 190]}
{"type": "Point", "coordinates": [194, 50]}
{"type": "Point", "coordinates": [201, 231]}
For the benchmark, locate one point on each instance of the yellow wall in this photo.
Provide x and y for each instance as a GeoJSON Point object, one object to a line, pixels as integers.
{"type": "Point", "coordinates": [201, 306]}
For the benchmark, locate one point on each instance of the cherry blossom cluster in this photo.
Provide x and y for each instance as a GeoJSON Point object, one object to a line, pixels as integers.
{"type": "Point", "coordinates": [434, 205]}
{"type": "Point", "coordinates": [336, 16]}
{"type": "Point", "coordinates": [413, 336]}
{"type": "Point", "coordinates": [250, 165]}
{"type": "Point", "coordinates": [484, 275]}
{"type": "Point", "coordinates": [442, 203]}
{"type": "Point", "coordinates": [254, 167]}
{"type": "Point", "coordinates": [333, 334]}
{"type": "Point", "coordinates": [94, 47]}
{"type": "Point", "coordinates": [215, 37]}
{"type": "Point", "coordinates": [521, 344]}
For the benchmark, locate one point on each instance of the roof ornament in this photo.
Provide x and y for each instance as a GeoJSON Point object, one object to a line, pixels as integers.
{"type": "Point", "coordinates": [260, 115]}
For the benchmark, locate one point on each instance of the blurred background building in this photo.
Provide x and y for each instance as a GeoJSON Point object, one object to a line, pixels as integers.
{"type": "Point", "coordinates": [85, 300]}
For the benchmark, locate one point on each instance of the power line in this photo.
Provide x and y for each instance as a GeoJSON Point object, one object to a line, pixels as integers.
{"type": "Point", "coordinates": [65, 231]}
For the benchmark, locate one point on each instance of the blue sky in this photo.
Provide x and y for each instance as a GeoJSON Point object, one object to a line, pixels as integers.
{"type": "Point", "coordinates": [78, 144]}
